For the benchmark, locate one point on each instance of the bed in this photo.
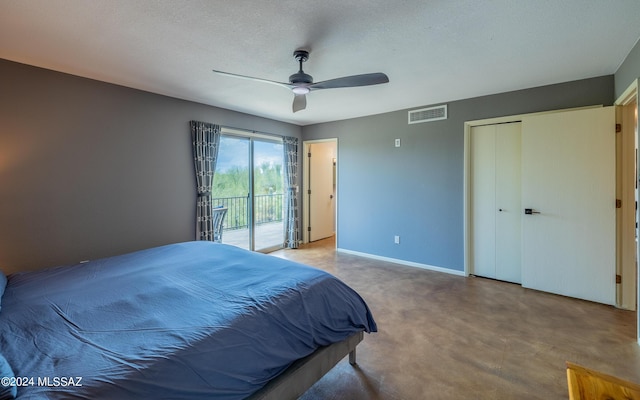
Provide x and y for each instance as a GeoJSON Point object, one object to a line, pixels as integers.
{"type": "Point", "coordinates": [194, 320]}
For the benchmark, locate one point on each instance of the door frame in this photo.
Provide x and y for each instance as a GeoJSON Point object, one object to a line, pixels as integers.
{"type": "Point", "coordinates": [251, 137]}
{"type": "Point", "coordinates": [305, 187]}
{"type": "Point", "coordinates": [628, 97]}
{"type": "Point", "coordinates": [467, 217]}
{"type": "Point", "coordinates": [627, 251]}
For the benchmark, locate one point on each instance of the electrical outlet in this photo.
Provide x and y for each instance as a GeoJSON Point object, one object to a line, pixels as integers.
{"type": "Point", "coordinates": [396, 239]}
{"type": "Point", "coordinates": [397, 142]}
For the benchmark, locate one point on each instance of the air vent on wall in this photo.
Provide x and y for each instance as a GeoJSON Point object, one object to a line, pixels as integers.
{"type": "Point", "coordinates": [428, 114]}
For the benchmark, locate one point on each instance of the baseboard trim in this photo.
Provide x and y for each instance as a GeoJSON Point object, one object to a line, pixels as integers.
{"type": "Point", "coordinates": [403, 262]}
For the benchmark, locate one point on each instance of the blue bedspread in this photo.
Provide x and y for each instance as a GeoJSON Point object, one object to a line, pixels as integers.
{"type": "Point", "coordinates": [195, 320]}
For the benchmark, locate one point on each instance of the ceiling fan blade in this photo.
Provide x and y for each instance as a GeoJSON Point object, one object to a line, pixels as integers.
{"type": "Point", "coordinates": [286, 85]}
{"type": "Point", "coordinates": [299, 102]}
{"type": "Point", "coordinates": [352, 81]}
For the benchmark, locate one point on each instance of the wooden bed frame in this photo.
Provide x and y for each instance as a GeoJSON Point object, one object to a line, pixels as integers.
{"type": "Point", "coordinates": [302, 374]}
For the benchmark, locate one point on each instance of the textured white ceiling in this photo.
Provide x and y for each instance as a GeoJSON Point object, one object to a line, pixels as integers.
{"type": "Point", "coordinates": [432, 50]}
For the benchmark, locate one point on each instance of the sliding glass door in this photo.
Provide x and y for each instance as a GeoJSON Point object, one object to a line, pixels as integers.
{"type": "Point", "coordinates": [249, 182]}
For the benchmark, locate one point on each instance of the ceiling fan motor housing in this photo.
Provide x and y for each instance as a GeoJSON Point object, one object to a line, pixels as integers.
{"type": "Point", "coordinates": [301, 77]}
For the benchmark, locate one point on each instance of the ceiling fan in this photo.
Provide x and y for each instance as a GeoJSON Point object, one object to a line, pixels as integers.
{"type": "Point", "coordinates": [301, 83]}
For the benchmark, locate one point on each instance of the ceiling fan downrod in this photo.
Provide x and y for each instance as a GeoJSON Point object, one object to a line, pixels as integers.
{"type": "Point", "coordinates": [301, 77]}
{"type": "Point", "coordinates": [301, 56]}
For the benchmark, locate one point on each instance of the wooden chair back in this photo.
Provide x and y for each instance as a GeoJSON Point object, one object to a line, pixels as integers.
{"type": "Point", "coordinates": [587, 384]}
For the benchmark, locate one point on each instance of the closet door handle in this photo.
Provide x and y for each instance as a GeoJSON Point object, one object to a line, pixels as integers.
{"type": "Point", "coordinates": [530, 211]}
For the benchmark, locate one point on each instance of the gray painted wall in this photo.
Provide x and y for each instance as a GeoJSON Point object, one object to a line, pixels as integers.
{"type": "Point", "coordinates": [416, 191]}
{"type": "Point", "coordinates": [89, 169]}
{"type": "Point", "coordinates": [628, 71]}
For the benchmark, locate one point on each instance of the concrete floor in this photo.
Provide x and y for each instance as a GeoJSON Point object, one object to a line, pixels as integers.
{"type": "Point", "coordinates": [443, 336]}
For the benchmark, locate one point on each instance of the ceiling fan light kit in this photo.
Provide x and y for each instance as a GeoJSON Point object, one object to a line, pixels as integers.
{"type": "Point", "coordinates": [301, 83]}
{"type": "Point", "coordinates": [300, 90]}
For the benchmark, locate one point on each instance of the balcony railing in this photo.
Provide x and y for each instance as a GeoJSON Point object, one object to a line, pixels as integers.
{"type": "Point", "coordinates": [268, 208]}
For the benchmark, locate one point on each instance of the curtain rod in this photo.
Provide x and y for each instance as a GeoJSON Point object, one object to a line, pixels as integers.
{"type": "Point", "coordinates": [257, 133]}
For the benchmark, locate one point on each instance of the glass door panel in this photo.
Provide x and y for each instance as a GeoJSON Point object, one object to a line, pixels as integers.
{"type": "Point", "coordinates": [231, 188]}
{"type": "Point", "coordinates": [268, 194]}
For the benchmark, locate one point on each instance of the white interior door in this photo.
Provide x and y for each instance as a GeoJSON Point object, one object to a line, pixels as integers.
{"type": "Point", "coordinates": [508, 192]}
{"type": "Point", "coordinates": [483, 200]}
{"type": "Point", "coordinates": [322, 190]}
{"type": "Point", "coordinates": [495, 201]}
{"type": "Point", "coordinates": [568, 176]}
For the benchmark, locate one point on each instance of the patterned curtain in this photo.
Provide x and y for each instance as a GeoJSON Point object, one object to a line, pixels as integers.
{"type": "Point", "coordinates": [206, 141]}
{"type": "Point", "coordinates": [291, 231]}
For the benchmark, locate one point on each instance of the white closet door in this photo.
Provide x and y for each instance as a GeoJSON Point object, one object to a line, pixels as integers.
{"type": "Point", "coordinates": [495, 199]}
{"type": "Point", "coordinates": [483, 200]}
{"type": "Point", "coordinates": [568, 175]}
{"type": "Point", "coordinates": [508, 193]}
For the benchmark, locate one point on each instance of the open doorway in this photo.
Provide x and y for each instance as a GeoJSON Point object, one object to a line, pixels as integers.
{"type": "Point", "coordinates": [320, 189]}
